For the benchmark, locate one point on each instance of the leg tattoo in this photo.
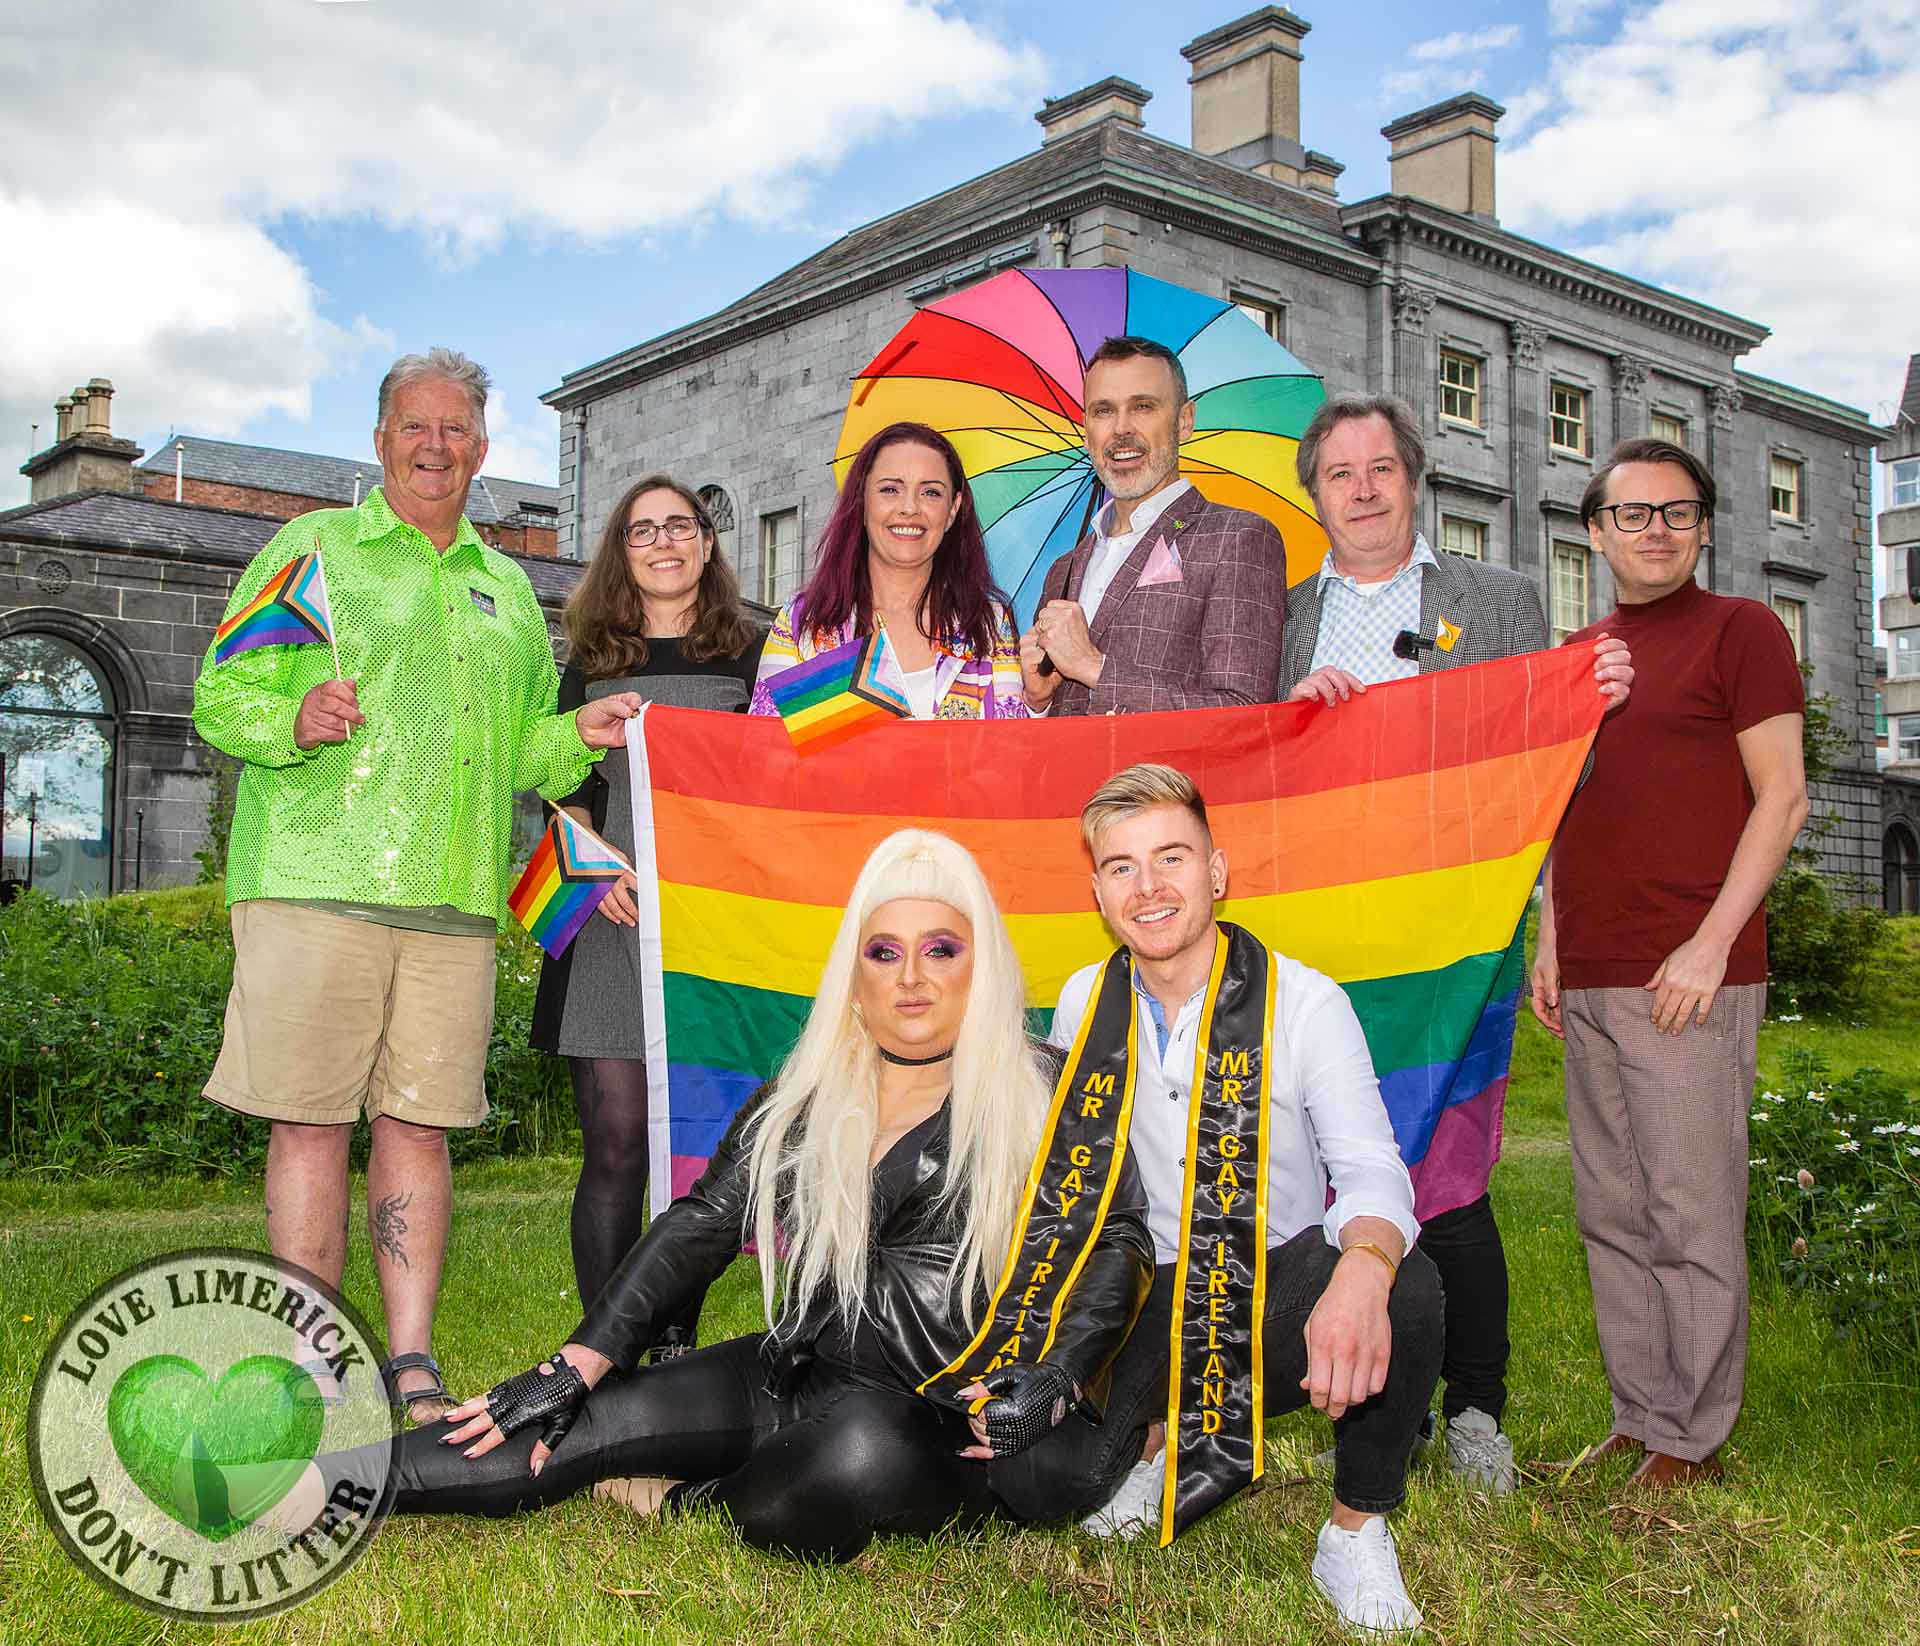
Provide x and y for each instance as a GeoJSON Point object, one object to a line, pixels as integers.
{"type": "Point", "coordinates": [389, 1227]}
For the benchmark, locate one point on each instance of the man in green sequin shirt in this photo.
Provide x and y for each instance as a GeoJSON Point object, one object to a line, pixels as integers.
{"type": "Point", "coordinates": [370, 846]}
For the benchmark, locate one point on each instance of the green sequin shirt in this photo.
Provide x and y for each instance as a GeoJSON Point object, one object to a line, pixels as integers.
{"type": "Point", "coordinates": [456, 677]}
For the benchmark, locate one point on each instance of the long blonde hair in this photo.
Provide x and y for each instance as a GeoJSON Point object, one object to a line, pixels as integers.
{"type": "Point", "coordinates": [812, 1139]}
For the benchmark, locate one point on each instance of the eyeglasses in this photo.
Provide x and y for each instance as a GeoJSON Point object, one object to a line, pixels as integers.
{"type": "Point", "coordinates": [1637, 517]}
{"type": "Point", "coordinates": [680, 528]}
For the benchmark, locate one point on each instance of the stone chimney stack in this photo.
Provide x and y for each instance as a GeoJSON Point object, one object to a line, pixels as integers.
{"type": "Point", "coordinates": [1444, 154]}
{"type": "Point", "coordinates": [1321, 172]}
{"type": "Point", "coordinates": [1108, 99]}
{"type": "Point", "coordinates": [1246, 93]}
{"type": "Point", "coordinates": [84, 455]}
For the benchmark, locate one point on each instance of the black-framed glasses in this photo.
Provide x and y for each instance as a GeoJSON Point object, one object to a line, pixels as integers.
{"type": "Point", "coordinates": [680, 528]}
{"type": "Point", "coordinates": [1682, 516]}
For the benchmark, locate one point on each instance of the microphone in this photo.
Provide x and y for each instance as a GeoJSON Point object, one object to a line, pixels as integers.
{"type": "Point", "coordinates": [1408, 645]}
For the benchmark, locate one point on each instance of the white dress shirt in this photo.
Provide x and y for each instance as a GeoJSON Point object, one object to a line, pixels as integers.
{"type": "Point", "coordinates": [1110, 552]}
{"type": "Point", "coordinates": [1325, 1121]}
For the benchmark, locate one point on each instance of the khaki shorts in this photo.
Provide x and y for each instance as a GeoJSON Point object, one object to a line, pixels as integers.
{"type": "Point", "coordinates": [332, 1017]}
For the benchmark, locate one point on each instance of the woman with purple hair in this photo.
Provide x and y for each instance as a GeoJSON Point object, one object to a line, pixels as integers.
{"type": "Point", "coordinates": [902, 557]}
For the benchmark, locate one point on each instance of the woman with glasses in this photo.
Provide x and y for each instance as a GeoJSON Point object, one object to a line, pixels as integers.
{"type": "Point", "coordinates": [658, 613]}
{"type": "Point", "coordinates": [902, 559]}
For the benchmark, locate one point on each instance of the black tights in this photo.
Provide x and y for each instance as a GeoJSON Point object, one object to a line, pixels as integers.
{"type": "Point", "coordinates": [610, 1201]}
{"type": "Point", "coordinates": [814, 1474]}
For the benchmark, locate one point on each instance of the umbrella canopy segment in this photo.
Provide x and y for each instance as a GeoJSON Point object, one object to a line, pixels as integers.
{"type": "Point", "coordinates": [1000, 369]}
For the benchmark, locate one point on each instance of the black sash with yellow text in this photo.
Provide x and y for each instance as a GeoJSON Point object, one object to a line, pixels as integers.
{"type": "Point", "coordinates": [1215, 1400]}
{"type": "Point", "coordinates": [1069, 1188]}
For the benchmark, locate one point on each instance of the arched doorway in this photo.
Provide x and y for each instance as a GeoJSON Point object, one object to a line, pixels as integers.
{"type": "Point", "coordinates": [57, 744]}
{"type": "Point", "coordinates": [1900, 870]}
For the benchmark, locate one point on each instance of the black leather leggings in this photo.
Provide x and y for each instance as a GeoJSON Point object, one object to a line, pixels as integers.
{"type": "Point", "coordinates": [813, 1474]}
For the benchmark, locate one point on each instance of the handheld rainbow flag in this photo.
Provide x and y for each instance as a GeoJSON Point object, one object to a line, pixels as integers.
{"type": "Point", "coordinates": [837, 694]}
{"type": "Point", "coordinates": [1391, 843]}
{"type": "Point", "coordinates": [570, 871]}
{"type": "Point", "coordinates": [292, 610]}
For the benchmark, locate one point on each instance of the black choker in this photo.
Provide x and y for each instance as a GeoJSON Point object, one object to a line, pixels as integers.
{"type": "Point", "coordinates": [912, 1062]}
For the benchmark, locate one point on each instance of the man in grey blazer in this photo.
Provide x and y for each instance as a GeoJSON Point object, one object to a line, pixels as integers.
{"type": "Point", "coordinates": [1385, 607]}
{"type": "Point", "coordinates": [1170, 601]}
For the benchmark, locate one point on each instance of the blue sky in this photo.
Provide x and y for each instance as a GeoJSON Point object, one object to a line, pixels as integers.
{"type": "Point", "coordinates": [243, 252]}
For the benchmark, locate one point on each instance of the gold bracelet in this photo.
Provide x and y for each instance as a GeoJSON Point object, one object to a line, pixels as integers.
{"type": "Point", "coordinates": [1377, 1250]}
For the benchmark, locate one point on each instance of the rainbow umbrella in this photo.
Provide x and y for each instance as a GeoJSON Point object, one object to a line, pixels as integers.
{"type": "Point", "coordinates": [999, 369]}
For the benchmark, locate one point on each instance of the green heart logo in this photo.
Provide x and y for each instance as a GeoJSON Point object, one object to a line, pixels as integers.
{"type": "Point", "coordinates": [215, 1456]}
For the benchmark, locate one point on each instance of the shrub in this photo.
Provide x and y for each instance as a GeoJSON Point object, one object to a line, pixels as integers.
{"type": "Point", "coordinates": [1834, 1201]}
{"type": "Point", "coordinates": [1818, 948]}
{"type": "Point", "coordinates": [111, 1014]}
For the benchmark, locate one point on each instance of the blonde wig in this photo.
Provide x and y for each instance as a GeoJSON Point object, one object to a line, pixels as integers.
{"type": "Point", "coordinates": [808, 1169]}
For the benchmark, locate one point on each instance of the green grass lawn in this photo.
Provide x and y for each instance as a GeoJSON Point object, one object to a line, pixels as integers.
{"type": "Point", "coordinates": [1816, 1537]}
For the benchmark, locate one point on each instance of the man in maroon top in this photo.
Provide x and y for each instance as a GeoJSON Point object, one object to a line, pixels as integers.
{"type": "Point", "coordinates": [1652, 960]}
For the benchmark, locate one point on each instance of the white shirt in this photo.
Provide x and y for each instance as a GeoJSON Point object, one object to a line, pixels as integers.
{"type": "Point", "coordinates": [921, 689]}
{"type": "Point", "coordinates": [1325, 1119]}
{"type": "Point", "coordinates": [1110, 552]}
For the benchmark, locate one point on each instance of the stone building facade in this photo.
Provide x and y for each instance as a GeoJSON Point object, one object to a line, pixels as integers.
{"type": "Point", "coordinates": [1524, 363]}
{"type": "Point", "coordinates": [1900, 617]}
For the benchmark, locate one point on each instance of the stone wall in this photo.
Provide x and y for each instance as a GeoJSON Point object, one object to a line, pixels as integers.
{"type": "Point", "coordinates": [147, 622]}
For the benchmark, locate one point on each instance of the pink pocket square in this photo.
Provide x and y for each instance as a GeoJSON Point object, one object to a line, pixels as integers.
{"type": "Point", "coordinates": [1163, 566]}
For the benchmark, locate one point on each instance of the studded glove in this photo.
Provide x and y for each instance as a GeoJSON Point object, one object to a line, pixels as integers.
{"type": "Point", "coordinates": [1029, 1402]}
{"type": "Point", "coordinates": [552, 1400]}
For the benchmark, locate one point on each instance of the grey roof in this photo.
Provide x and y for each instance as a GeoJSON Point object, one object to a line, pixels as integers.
{"type": "Point", "coordinates": [1111, 141]}
{"type": "Point", "coordinates": [1103, 154]}
{"type": "Point", "coordinates": [490, 501]}
{"type": "Point", "coordinates": [127, 521]}
{"type": "Point", "coordinates": [1910, 401]}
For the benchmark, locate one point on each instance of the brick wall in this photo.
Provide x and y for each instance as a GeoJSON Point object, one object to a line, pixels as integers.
{"type": "Point", "coordinates": [516, 539]}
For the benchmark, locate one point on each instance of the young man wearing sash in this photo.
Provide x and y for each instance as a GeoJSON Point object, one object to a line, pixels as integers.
{"type": "Point", "coordinates": [1269, 1292]}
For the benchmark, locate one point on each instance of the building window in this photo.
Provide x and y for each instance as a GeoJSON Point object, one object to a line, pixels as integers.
{"type": "Point", "coordinates": [1903, 653]}
{"type": "Point", "coordinates": [1569, 589]}
{"type": "Point", "coordinates": [1786, 495]}
{"type": "Point", "coordinates": [1905, 489]}
{"type": "Point", "coordinates": [57, 730]}
{"type": "Point", "coordinates": [1673, 430]}
{"type": "Point", "coordinates": [1793, 618]}
{"type": "Point", "coordinates": [1459, 388]}
{"type": "Point", "coordinates": [1909, 738]}
{"type": "Point", "coordinates": [719, 507]}
{"type": "Point", "coordinates": [1467, 538]}
{"type": "Point", "coordinates": [1567, 423]}
{"type": "Point", "coordinates": [1271, 318]}
{"type": "Point", "coordinates": [779, 555]}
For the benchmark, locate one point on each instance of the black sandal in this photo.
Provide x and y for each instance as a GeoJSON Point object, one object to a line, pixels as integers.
{"type": "Point", "coordinates": [404, 1401]}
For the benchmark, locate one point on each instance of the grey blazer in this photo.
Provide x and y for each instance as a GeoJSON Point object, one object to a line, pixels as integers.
{"type": "Point", "coordinates": [1497, 612]}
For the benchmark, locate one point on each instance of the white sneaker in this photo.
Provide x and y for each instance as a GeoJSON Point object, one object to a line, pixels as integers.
{"type": "Point", "coordinates": [1135, 1506]}
{"type": "Point", "coordinates": [1478, 1453]}
{"type": "Point", "coordinates": [1360, 1573]}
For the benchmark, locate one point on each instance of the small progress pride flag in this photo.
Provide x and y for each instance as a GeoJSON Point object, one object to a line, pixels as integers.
{"type": "Point", "coordinates": [292, 610]}
{"type": "Point", "coordinates": [570, 871]}
{"type": "Point", "coordinates": [1391, 843]}
{"type": "Point", "coordinates": [836, 695]}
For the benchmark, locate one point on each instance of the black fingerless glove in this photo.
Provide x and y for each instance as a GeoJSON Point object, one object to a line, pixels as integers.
{"type": "Point", "coordinates": [552, 1400]}
{"type": "Point", "coordinates": [1029, 1402]}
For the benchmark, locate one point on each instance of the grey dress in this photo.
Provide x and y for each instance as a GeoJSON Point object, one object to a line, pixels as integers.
{"type": "Point", "coordinates": [588, 1003]}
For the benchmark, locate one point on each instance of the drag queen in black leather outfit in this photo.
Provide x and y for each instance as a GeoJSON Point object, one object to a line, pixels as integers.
{"type": "Point", "coordinates": [886, 1162]}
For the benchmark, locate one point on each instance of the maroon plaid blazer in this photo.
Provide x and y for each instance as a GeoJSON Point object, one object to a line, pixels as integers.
{"type": "Point", "coordinates": [1210, 640]}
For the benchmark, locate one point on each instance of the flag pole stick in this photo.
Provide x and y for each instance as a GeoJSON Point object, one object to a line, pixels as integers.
{"type": "Point", "coordinates": [321, 560]}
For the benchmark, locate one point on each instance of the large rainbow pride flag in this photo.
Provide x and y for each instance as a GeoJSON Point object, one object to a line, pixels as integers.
{"type": "Point", "coordinates": [1391, 842]}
